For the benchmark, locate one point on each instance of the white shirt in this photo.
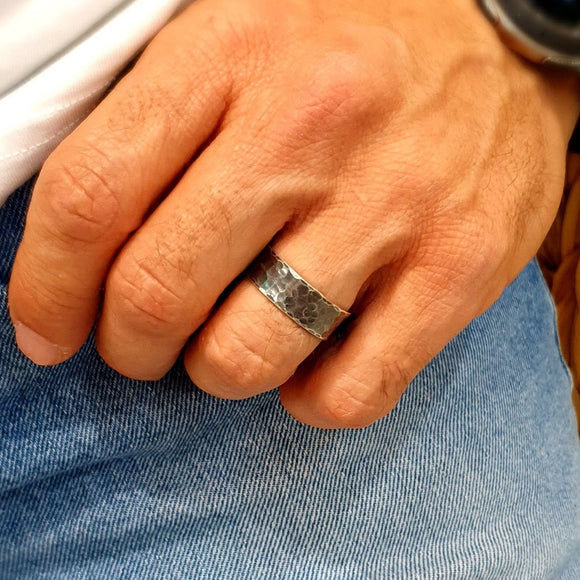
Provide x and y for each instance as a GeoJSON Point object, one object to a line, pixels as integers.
{"type": "Point", "coordinates": [57, 58]}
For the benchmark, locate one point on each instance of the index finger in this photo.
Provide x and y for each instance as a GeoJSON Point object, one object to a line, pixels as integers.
{"type": "Point", "coordinates": [97, 187]}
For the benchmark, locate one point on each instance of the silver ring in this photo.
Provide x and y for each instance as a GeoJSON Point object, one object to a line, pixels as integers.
{"type": "Point", "coordinates": [294, 296]}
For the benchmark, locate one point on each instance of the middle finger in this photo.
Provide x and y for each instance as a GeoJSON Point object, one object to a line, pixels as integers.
{"type": "Point", "coordinates": [168, 277]}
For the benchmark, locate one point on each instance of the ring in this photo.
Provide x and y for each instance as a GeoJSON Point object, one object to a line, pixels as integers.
{"type": "Point", "coordinates": [294, 296]}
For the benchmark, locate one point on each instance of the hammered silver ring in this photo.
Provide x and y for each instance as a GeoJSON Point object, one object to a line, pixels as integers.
{"type": "Point", "coordinates": [294, 296]}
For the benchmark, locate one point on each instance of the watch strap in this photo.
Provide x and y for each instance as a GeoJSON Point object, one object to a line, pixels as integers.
{"type": "Point", "coordinates": [530, 30]}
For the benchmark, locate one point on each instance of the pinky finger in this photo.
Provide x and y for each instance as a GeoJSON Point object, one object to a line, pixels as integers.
{"type": "Point", "coordinates": [356, 382]}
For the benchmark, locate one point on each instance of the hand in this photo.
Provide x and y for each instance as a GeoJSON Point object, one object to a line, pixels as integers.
{"type": "Point", "coordinates": [404, 162]}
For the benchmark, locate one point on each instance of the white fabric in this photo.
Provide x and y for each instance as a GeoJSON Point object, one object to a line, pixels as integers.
{"type": "Point", "coordinates": [31, 34]}
{"type": "Point", "coordinates": [56, 60]}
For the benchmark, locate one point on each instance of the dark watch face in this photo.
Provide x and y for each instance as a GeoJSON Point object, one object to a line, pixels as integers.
{"type": "Point", "coordinates": [567, 11]}
{"type": "Point", "coordinates": [553, 25]}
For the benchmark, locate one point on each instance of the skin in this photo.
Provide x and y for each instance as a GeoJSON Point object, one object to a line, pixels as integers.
{"type": "Point", "coordinates": [403, 161]}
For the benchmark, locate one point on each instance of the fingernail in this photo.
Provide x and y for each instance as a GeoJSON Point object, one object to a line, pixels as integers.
{"type": "Point", "coordinates": [38, 349]}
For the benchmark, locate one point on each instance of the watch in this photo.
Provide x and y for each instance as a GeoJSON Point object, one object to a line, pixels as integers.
{"type": "Point", "coordinates": [543, 31]}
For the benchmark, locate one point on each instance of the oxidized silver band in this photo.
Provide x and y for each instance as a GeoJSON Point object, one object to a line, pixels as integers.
{"type": "Point", "coordinates": [289, 292]}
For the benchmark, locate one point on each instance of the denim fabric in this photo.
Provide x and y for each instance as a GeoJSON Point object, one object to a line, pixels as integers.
{"type": "Point", "coordinates": [475, 474]}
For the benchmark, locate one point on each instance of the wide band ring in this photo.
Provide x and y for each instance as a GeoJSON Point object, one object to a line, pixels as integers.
{"type": "Point", "coordinates": [294, 296]}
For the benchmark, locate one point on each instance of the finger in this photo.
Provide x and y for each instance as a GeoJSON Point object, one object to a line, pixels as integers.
{"type": "Point", "coordinates": [403, 327]}
{"type": "Point", "coordinates": [99, 184]}
{"type": "Point", "coordinates": [248, 183]}
{"type": "Point", "coordinates": [169, 276]}
{"type": "Point", "coordinates": [249, 346]}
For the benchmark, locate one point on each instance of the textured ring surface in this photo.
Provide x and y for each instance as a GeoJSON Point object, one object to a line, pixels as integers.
{"type": "Point", "coordinates": [289, 292]}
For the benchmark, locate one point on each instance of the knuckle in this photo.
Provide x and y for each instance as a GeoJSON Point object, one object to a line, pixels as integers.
{"type": "Point", "coordinates": [241, 365]}
{"type": "Point", "coordinates": [219, 31]}
{"type": "Point", "coordinates": [334, 107]}
{"type": "Point", "coordinates": [494, 247]}
{"type": "Point", "coordinates": [235, 39]}
{"type": "Point", "coordinates": [82, 199]}
{"type": "Point", "coordinates": [339, 92]}
{"type": "Point", "coordinates": [397, 373]}
{"type": "Point", "coordinates": [353, 403]}
{"type": "Point", "coordinates": [144, 298]}
{"type": "Point", "coordinates": [466, 250]}
{"type": "Point", "coordinates": [160, 107]}
{"type": "Point", "coordinates": [219, 44]}
{"type": "Point", "coordinates": [139, 110]}
{"type": "Point", "coordinates": [480, 249]}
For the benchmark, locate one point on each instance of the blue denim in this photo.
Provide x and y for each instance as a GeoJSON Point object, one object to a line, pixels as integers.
{"type": "Point", "coordinates": [474, 475]}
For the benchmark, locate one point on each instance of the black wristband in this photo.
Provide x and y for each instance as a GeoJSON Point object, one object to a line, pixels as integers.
{"type": "Point", "coordinates": [574, 145]}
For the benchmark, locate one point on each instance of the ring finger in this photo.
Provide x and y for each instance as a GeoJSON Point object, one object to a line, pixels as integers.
{"type": "Point", "coordinates": [249, 345]}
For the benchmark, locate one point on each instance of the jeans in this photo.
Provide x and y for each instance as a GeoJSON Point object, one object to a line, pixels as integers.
{"type": "Point", "coordinates": [475, 474]}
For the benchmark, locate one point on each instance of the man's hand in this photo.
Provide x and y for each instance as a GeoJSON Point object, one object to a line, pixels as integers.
{"type": "Point", "coordinates": [403, 161]}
